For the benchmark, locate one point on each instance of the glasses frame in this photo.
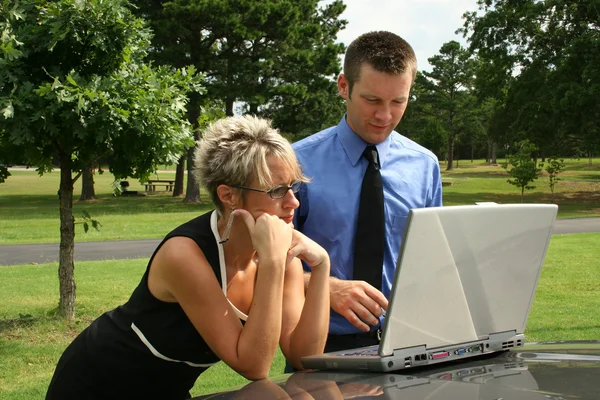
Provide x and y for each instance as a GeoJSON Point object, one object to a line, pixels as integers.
{"type": "Point", "coordinates": [273, 189]}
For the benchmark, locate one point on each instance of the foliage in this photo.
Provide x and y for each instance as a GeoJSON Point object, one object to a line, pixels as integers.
{"type": "Point", "coordinates": [449, 87]}
{"type": "Point", "coordinates": [277, 58]}
{"type": "Point", "coordinates": [554, 166]}
{"type": "Point", "coordinates": [210, 113]}
{"type": "Point", "coordinates": [86, 220]}
{"type": "Point", "coordinates": [74, 89]}
{"type": "Point", "coordinates": [521, 167]}
{"type": "Point", "coordinates": [79, 89]}
{"type": "Point", "coordinates": [543, 63]}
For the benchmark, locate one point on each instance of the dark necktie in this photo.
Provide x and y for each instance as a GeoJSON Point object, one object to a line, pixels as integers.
{"type": "Point", "coordinates": [370, 230]}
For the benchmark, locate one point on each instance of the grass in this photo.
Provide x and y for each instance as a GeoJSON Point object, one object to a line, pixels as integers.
{"type": "Point", "coordinates": [32, 339]}
{"type": "Point", "coordinates": [577, 193]}
{"type": "Point", "coordinates": [29, 210]}
{"type": "Point", "coordinates": [29, 205]}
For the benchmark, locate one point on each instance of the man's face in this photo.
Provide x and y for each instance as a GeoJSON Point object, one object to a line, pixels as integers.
{"type": "Point", "coordinates": [377, 103]}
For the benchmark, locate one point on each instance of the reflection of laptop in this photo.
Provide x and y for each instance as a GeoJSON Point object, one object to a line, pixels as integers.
{"type": "Point", "coordinates": [483, 381]}
{"type": "Point", "coordinates": [464, 285]}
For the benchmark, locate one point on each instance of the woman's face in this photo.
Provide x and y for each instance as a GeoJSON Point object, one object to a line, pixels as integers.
{"type": "Point", "coordinates": [258, 203]}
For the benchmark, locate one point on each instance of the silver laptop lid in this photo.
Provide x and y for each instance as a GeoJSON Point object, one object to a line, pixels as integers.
{"type": "Point", "coordinates": [465, 272]}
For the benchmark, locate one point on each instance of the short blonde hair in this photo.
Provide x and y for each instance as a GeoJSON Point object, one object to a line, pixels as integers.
{"type": "Point", "coordinates": [234, 150]}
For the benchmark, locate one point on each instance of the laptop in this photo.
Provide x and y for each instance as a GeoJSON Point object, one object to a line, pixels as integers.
{"type": "Point", "coordinates": [463, 286]}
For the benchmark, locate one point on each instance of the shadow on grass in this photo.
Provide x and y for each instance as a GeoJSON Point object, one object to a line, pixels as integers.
{"type": "Point", "coordinates": [24, 321]}
{"type": "Point", "coordinates": [574, 201]}
{"type": "Point", "coordinates": [547, 329]}
{"type": "Point", "coordinates": [479, 175]}
{"type": "Point", "coordinates": [46, 206]}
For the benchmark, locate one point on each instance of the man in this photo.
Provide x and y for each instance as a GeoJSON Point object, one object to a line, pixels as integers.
{"type": "Point", "coordinates": [379, 69]}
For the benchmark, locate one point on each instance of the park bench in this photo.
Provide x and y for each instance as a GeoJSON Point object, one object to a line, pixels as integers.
{"type": "Point", "coordinates": [151, 184]}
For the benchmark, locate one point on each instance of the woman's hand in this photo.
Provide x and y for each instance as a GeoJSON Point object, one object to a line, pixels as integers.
{"type": "Point", "coordinates": [270, 235]}
{"type": "Point", "coordinates": [306, 250]}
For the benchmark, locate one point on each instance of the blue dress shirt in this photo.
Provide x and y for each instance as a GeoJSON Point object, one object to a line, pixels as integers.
{"type": "Point", "coordinates": [328, 209]}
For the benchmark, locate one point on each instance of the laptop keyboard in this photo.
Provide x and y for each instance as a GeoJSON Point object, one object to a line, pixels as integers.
{"type": "Point", "coordinates": [368, 351]}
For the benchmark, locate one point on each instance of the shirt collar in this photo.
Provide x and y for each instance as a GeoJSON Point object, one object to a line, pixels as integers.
{"type": "Point", "coordinates": [354, 145]}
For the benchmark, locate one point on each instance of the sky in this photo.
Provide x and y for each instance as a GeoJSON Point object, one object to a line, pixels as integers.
{"type": "Point", "coordinates": [425, 24]}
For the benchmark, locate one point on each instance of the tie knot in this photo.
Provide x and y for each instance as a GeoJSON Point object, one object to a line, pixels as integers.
{"type": "Point", "coordinates": [371, 154]}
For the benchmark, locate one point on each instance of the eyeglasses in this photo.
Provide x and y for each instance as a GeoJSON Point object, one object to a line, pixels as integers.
{"type": "Point", "coordinates": [276, 192]}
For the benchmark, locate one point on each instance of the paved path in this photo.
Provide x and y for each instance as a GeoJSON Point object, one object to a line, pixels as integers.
{"type": "Point", "coordinates": [116, 250]}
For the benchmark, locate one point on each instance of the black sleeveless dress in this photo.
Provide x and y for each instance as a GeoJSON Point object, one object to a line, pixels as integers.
{"type": "Point", "coordinates": [145, 348]}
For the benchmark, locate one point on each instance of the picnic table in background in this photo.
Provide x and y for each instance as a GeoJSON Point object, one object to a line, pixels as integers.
{"type": "Point", "coordinates": [151, 184]}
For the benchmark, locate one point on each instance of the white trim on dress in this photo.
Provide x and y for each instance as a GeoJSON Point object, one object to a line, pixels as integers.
{"type": "Point", "coordinates": [159, 355]}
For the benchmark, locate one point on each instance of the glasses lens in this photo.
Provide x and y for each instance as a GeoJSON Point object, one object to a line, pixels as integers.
{"type": "Point", "coordinates": [296, 186]}
{"type": "Point", "coordinates": [279, 191]}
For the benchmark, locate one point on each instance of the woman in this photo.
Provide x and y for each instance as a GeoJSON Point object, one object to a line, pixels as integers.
{"type": "Point", "coordinates": [227, 285]}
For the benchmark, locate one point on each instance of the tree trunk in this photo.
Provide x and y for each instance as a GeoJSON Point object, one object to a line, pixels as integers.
{"type": "Point", "coordinates": [449, 167]}
{"type": "Point", "coordinates": [488, 157]}
{"type": "Point", "coordinates": [229, 106]}
{"type": "Point", "coordinates": [66, 278]}
{"type": "Point", "coordinates": [522, 193]}
{"type": "Point", "coordinates": [494, 148]}
{"type": "Point", "coordinates": [192, 194]}
{"type": "Point", "coordinates": [179, 175]}
{"type": "Point", "coordinates": [88, 192]}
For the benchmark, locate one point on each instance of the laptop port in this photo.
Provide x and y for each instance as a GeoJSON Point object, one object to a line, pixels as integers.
{"type": "Point", "coordinates": [474, 348]}
{"type": "Point", "coordinates": [440, 354]}
{"type": "Point", "coordinates": [460, 352]}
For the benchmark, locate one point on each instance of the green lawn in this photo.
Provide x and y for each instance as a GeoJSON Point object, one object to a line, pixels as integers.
{"type": "Point", "coordinates": [32, 339]}
{"type": "Point", "coordinates": [29, 210]}
{"type": "Point", "coordinates": [29, 205]}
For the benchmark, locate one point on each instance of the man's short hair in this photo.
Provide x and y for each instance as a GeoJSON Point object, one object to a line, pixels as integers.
{"type": "Point", "coordinates": [382, 50]}
{"type": "Point", "coordinates": [234, 151]}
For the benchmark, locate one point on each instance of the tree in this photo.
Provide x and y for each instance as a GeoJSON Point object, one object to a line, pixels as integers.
{"type": "Point", "coordinates": [521, 167]}
{"type": "Point", "coordinates": [545, 55]}
{"type": "Point", "coordinates": [279, 59]}
{"type": "Point", "coordinates": [74, 89]}
{"type": "Point", "coordinates": [554, 166]}
{"type": "Point", "coordinates": [452, 79]}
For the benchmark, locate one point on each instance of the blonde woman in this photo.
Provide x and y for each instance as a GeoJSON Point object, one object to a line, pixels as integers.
{"type": "Point", "coordinates": [227, 285]}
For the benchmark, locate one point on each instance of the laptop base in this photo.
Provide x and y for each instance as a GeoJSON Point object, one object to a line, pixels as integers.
{"type": "Point", "coordinates": [367, 358]}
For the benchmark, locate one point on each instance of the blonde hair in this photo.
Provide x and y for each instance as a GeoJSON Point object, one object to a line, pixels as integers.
{"type": "Point", "coordinates": [234, 150]}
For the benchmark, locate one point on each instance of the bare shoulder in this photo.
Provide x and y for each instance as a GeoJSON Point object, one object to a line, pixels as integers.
{"type": "Point", "coordinates": [178, 263]}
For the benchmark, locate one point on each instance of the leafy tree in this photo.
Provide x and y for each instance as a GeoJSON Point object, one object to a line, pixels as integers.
{"type": "Point", "coordinates": [521, 167]}
{"type": "Point", "coordinates": [278, 58]}
{"type": "Point", "coordinates": [74, 90]}
{"type": "Point", "coordinates": [554, 166]}
{"type": "Point", "coordinates": [451, 80]}
{"type": "Point", "coordinates": [545, 56]}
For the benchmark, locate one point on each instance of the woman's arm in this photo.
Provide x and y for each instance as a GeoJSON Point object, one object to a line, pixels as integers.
{"type": "Point", "coordinates": [305, 317]}
{"type": "Point", "coordinates": [189, 279]}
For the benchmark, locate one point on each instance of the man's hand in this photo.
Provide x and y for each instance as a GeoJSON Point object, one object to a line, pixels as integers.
{"type": "Point", "coordinates": [358, 302]}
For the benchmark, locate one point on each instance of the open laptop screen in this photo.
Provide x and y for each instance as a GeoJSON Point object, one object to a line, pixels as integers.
{"type": "Point", "coordinates": [465, 272]}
